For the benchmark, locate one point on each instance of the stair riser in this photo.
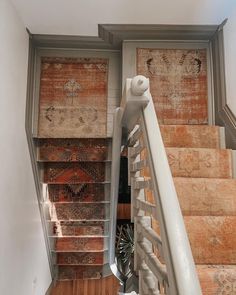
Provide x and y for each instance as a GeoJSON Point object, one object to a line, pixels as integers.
{"type": "Point", "coordinates": [79, 244]}
{"type": "Point", "coordinates": [208, 197]}
{"type": "Point", "coordinates": [79, 272]}
{"type": "Point", "coordinates": [80, 211]}
{"type": "Point", "coordinates": [76, 228]}
{"type": "Point", "coordinates": [72, 154]}
{"type": "Point", "coordinates": [200, 163]}
{"type": "Point", "coordinates": [216, 280]}
{"type": "Point", "coordinates": [72, 173]}
{"type": "Point", "coordinates": [80, 258]}
{"type": "Point", "coordinates": [212, 239]}
{"type": "Point", "coordinates": [76, 192]}
{"type": "Point", "coordinates": [190, 136]}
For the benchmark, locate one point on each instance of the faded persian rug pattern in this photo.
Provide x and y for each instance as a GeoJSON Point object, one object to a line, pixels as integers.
{"type": "Point", "coordinates": [73, 97]}
{"type": "Point", "coordinates": [178, 82]}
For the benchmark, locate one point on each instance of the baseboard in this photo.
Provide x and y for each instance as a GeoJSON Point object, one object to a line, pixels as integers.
{"type": "Point", "coordinates": [49, 290]}
{"type": "Point", "coordinates": [229, 121]}
{"type": "Point", "coordinates": [223, 114]}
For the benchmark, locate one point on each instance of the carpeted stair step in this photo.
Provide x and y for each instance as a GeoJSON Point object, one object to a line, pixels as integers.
{"type": "Point", "coordinates": [80, 211]}
{"type": "Point", "coordinates": [197, 136]}
{"type": "Point", "coordinates": [212, 238]}
{"type": "Point", "coordinates": [200, 162]}
{"type": "Point", "coordinates": [73, 150]}
{"type": "Point", "coordinates": [206, 196]}
{"type": "Point", "coordinates": [217, 279]}
{"type": "Point", "coordinates": [108, 285]}
{"type": "Point", "coordinates": [73, 173]}
{"type": "Point", "coordinates": [82, 192]}
{"type": "Point", "coordinates": [84, 258]}
{"type": "Point", "coordinates": [77, 228]}
{"type": "Point", "coordinates": [67, 272]}
{"type": "Point", "coordinates": [80, 244]}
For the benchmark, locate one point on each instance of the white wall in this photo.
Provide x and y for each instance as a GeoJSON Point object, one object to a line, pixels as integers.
{"type": "Point", "coordinates": [24, 266]}
{"type": "Point", "coordinates": [230, 60]}
{"type": "Point", "coordinates": [82, 17]}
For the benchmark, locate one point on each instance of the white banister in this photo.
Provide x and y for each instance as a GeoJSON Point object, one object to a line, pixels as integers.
{"type": "Point", "coordinates": [177, 251]}
{"type": "Point", "coordinates": [150, 234]}
{"type": "Point", "coordinates": [172, 271]}
{"type": "Point", "coordinates": [146, 206]}
{"type": "Point", "coordinates": [178, 276]}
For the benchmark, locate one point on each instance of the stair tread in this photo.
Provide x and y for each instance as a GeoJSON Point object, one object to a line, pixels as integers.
{"type": "Point", "coordinates": [74, 220]}
{"type": "Point", "coordinates": [80, 264]}
{"type": "Point", "coordinates": [79, 251]}
{"type": "Point", "coordinates": [74, 236]}
{"type": "Point", "coordinates": [82, 202]}
{"type": "Point", "coordinates": [74, 161]}
{"type": "Point", "coordinates": [77, 182]}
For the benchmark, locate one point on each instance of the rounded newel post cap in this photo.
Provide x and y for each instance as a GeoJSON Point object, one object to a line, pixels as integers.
{"type": "Point", "coordinates": [139, 85]}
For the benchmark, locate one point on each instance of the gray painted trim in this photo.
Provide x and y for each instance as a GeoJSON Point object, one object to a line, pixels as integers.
{"type": "Point", "coordinates": [65, 41]}
{"type": "Point", "coordinates": [115, 34]}
{"type": "Point", "coordinates": [32, 148]}
{"type": "Point", "coordinates": [222, 137]}
{"type": "Point", "coordinates": [223, 114]}
{"type": "Point", "coordinates": [49, 290]}
{"type": "Point", "coordinates": [233, 155]}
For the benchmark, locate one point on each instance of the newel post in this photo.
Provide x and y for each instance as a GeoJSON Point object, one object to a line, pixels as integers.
{"type": "Point", "coordinates": [135, 98]}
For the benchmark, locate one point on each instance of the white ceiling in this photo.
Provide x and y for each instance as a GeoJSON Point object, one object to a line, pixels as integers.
{"type": "Point", "coordinates": [81, 17]}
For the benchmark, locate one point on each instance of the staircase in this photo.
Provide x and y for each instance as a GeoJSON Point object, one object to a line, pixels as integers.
{"type": "Point", "coordinates": [203, 177]}
{"type": "Point", "coordinates": [77, 175]}
{"type": "Point", "coordinates": [200, 176]}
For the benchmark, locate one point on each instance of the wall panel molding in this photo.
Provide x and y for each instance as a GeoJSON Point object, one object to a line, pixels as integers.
{"type": "Point", "coordinates": [223, 114]}
{"type": "Point", "coordinates": [32, 148]}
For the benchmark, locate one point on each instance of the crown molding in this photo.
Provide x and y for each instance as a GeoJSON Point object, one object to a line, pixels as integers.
{"type": "Point", "coordinates": [69, 42]}
{"type": "Point", "coordinates": [115, 34]}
